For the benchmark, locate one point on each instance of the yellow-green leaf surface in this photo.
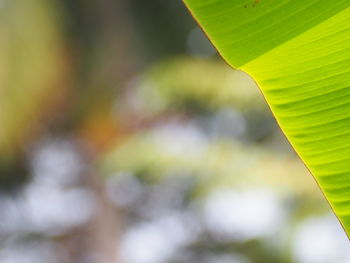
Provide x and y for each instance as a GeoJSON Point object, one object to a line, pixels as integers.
{"type": "Point", "coordinates": [299, 54]}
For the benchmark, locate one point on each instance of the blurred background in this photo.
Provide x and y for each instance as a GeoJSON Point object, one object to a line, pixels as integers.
{"type": "Point", "coordinates": [125, 138]}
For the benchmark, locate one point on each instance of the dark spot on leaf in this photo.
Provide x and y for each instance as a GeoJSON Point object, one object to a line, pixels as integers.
{"type": "Point", "coordinates": [255, 3]}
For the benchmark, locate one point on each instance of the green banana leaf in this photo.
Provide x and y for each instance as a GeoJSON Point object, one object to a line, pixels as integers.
{"type": "Point", "coordinates": [298, 52]}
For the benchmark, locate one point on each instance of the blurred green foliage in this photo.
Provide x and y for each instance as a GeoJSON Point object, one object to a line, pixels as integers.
{"type": "Point", "coordinates": [206, 84]}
